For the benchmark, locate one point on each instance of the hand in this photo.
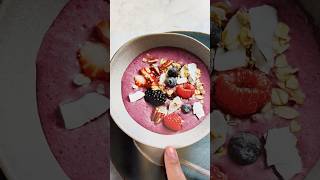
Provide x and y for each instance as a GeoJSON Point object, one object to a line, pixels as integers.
{"type": "Point", "coordinates": [172, 164]}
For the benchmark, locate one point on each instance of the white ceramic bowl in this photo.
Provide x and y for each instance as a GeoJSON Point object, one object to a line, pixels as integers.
{"type": "Point", "coordinates": [119, 63]}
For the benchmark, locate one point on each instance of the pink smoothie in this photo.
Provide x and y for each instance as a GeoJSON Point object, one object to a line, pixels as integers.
{"type": "Point", "coordinates": [83, 153]}
{"type": "Point", "coordinates": [304, 54]}
{"type": "Point", "coordinates": [141, 111]}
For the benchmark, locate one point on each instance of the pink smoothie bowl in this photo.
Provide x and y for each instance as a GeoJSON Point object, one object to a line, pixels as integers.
{"type": "Point", "coordinates": [119, 64]}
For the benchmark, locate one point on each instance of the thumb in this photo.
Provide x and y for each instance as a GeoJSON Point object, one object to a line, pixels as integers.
{"type": "Point", "coordinates": [172, 164]}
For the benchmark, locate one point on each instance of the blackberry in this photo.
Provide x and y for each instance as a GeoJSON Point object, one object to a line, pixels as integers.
{"type": "Point", "coordinates": [155, 97]}
{"type": "Point", "coordinates": [186, 108]}
{"type": "Point", "coordinates": [173, 72]}
{"type": "Point", "coordinates": [244, 148]}
{"type": "Point", "coordinates": [171, 82]}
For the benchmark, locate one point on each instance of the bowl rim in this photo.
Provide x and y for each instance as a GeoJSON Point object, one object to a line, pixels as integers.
{"type": "Point", "coordinates": [130, 126]}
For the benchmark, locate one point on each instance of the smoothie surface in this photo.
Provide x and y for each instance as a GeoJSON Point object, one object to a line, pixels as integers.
{"type": "Point", "coordinates": [141, 111]}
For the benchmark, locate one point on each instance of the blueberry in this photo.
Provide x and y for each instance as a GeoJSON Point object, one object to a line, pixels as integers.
{"type": "Point", "coordinates": [171, 82]}
{"type": "Point", "coordinates": [173, 72]}
{"type": "Point", "coordinates": [215, 34]}
{"type": "Point", "coordinates": [185, 108]}
{"type": "Point", "coordinates": [244, 148]}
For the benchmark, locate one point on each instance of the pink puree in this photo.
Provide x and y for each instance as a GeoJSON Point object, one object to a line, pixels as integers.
{"type": "Point", "coordinates": [140, 111]}
{"type": "Point", "coordinates": [83, 153]}
{"type": "Point", "coordinates": [303, 53]}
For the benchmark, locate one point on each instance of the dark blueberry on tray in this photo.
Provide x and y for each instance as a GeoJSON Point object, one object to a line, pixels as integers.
{"type": "Point", "coordinates": [155, 97]}
{"type": "Point", "coordinates": [173, 72]}
{"type": "Point", "coordinates": [171, 82]}
{"type": "Point", "coordinates": [244, 148]}
{"type": "Point", "coordinates": [186, 108]}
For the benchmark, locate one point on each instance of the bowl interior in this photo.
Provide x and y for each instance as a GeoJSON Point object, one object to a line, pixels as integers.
{"type": "Point", "coordinates": [119, 63]}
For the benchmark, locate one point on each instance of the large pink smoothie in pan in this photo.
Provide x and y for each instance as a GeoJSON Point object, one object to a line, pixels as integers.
{"type": "Point", "coordinates": [141, 111]}
{"type": "Point", "coordinates": [82, 152]}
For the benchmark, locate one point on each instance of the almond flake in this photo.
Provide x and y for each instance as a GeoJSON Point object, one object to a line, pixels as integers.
{"type": "Point", "coordinates": [286, 112]}
{"type": "Point", "coordinates": [292, 83]}
{"type": "Point", "coordinates": [281, 61]}
{"type": "Point", "coordinates": [282, 30]}
{"type": "Point", "coordinates": [279, 96]}
{"type": "Point", "coordinates": [267, 107]}
{"type": "Point", "coordinates": [200, 97]}
{"type": "Point", "coordinates": [298, 96]}
{"type": "Point", "coordinates": [295, 126]}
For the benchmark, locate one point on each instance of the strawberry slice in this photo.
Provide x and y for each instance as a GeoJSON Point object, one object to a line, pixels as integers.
{"type": "Point", "coordinates": [185, 90]}
{"type": "Point", "coordinates": [173, 122]}
{"type": "Point", "coordinates": [140, 81]}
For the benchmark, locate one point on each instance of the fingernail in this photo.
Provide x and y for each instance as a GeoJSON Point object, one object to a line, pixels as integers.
{"type": "Point", "coordinates": [172, 153]}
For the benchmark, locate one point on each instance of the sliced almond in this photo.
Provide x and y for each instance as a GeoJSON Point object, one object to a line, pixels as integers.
{"type": "Point", "coordinates": [298, 96]}
{"type": "Point", "coordinates": [295, 126]}
{"type": "Point", "coordinates": [267, 107]}
{"type": "Point", "coordinates": [280, 47]}
{"type": "Point", "coordinates": [286, 112]}
{"type": "Point", "coordinates": [245, 37]}
{"type": "Point", "coordinates": [281, 61]}
{"type": "Point", "coordinates": [281, 85]}
{"type": "Point", "coordinates": [287, 70]}
{"type": "Point", "coordinates": [200, 97]}
{"type": "Point", "coordinates": [292, 83]}
{"type": "Point", "coordinates": [282, 77]}
{"type": "Point", "coordinates": [279, 96]}
{"type": "Point", "coordinates": [282, 30]}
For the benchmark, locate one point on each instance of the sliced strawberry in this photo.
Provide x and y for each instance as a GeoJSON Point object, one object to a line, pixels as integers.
{"type": "Point", "coordinates": [173, 122]}
{"type": "Point", "coordinates": [140, 81]}
{"type": "Point", "coordinates": [185, 90]}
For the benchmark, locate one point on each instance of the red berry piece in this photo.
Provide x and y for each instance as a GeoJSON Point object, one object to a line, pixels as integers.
{"type": "Point", "coordinates": [242, 92]}
{"type": "Point", "coordinates": [173, 122]}
{"type": "Point", "coordinates": [185, 90]}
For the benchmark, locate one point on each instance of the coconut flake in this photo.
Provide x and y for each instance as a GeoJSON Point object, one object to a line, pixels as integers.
{"type": "Point", "coordinates": [231, 33]}
{"type": "Point", "coordinates": [81, 80]}
{"type": "Point", "coordinates": [263, 21]}
{"type": "Point", "coordinates": [220, 127]}
{"type": "Point", "coordinates": [198, 109]}
{"type": "Point", "coordinates": [174, 105]}
{"type": "Point", "coordinates": [84, 109]}
{"type": "Point", "coordinates": [282, 152]}
{"type": "Point", "coordinates": [136, 96]}
{"type": "Point", "coordinates": [230, 60]}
